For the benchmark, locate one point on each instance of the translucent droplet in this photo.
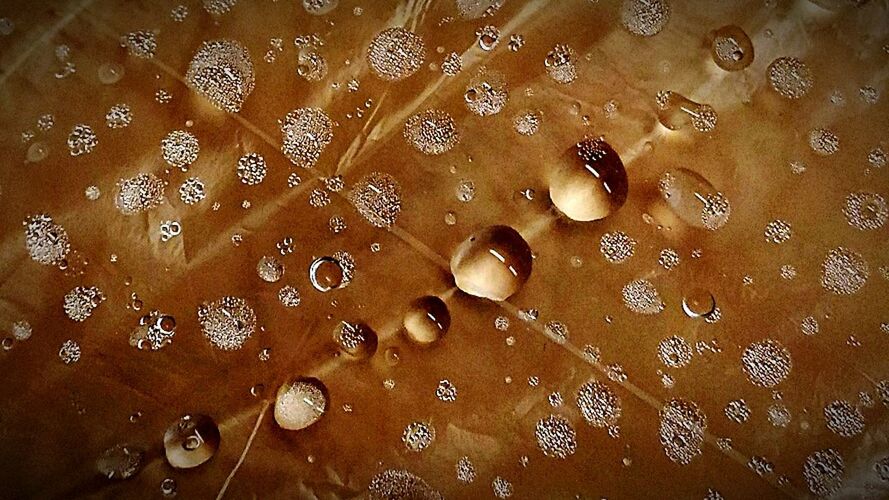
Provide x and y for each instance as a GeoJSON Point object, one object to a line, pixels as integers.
{"type": "Point", "coordinates": [427, 320]}
{"type": "Point", "coordinates": [300, 403]}
{"type": "Point", "coordinates": [356, 340]}
{"type": "Point", "coordinates": [698, 302]}
{"type": "Point", "coordinates": [326, 274]}
{"type": "Point", "coordinates": [110, 73]}
{"type": "Point", "coordinates": [393, 356]}
{"type": "Point", "coordinates": [190, 441]}
{"type": "Point", "coordinates": [492, 263]}
{"type": "Point", "coordinates": [121, 461]}
{"type": "Point", "coordinates": [693, 199]}
{"type": "Point", "coordinates": [591, 183]}
{"type": "Point", "coordinates": [37, 152]}
{"type": "Point", "coordinates": [675, 111]}
{"type": "Point", "coordinates": [731, 48]}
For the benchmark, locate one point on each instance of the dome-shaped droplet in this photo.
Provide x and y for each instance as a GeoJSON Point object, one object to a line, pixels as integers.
{"type": "Point", "coordinates": [326, 274]}
{"type": "Point", "coordinates": [698, 302]}
{"type": "Point", "coordinates": [693, 199]}
{"type": "Point", "coordinates": [591, 183]}
{"type": "Point", "coordinates": [492, 263]}
{"type": "Point", "coordinates": [731, 48]}
{"type": "Point", "coordinates": [675, 111]}
{"type": "Point", "coordinates": [191, 440]}
{"type": "Point", "coordinates": [427, 320]}
{"type": "Point", "coordinates": [300, 403]}
{"type": "Point", "coordinates": [356, 340]}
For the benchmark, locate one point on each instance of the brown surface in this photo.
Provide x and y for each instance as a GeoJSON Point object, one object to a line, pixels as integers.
{"type": "Point", "coordinates": [56, 419]}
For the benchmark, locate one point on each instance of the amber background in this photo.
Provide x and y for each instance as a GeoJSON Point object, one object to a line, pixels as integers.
{"type": "Point", "coordinates": [55, 419]}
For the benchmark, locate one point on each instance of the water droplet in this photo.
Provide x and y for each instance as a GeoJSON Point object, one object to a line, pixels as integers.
{"type": "Point", "coordinates": [110, 73]}
{"type": "Point", "coordinates": [356, 340]}
{"type": "Point", "coordinates": [492, 263]}
{"type": "Point", "coordinates": [300, 403]}
{"type": "Point", "coordinates": [675, 111]}
{"type": "Point", "coordinates": [427, 320]}
{"type": "Point", "coordinates": [731, 48]}
{"type": "Point", "coordinates": [121, 461]}
{"type": "Point", "coordinates": [326, 274]}
{"type": "Point", "coordinates": [693, 199]}
{"type": "Point", "coordinates": [591, 183]}
{"type": "Point", "coordinates": [698, 302]}
{"type": "Point", "coordinates": [37, 152]}
{"type": "Point", "coordinates": [190, 441]}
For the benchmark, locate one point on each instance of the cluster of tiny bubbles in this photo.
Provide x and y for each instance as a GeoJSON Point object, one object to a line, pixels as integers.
{"type": "Point", "coordinates": [674, 352]}
{"type": "Point", "coordinates": [69, 353]}
{"type": "Point", "coordinates": [251, 169]}
{"type": "Point", "coordinates": [777, 231]}
{"type": "Point", "coordinates": [465, 470]}
{"type": "Point", "coordinates": [399, 483]}
{"type": "Point", "coordinates": [396, 53]}
{"type": "Point", "coordinates": [431, 132]}
{"type": "Point", "coordinates": [162, 96]}
{"type": "Point", "coordinates": [192, 190]}
{"type": "Point", "coordinates": [877, 158]}
{"type": "Point", "coordinates": [426, 320]}
{"type": "Point", "coordinates": [790, 77]}
{"type": "Point", "coordinates": [761, 466]}
{"type": "Point", "coordinates": [227, 322]}
{"type": "Point", "coordinates": [502, 488]}
{"type": "Point", "coordinates": [591, 183]}
{"type": "Point", "coordinates": [319, 198]}
{"type": "Point", "coordinates": [218, 7]}
{"type": "Point", "coordinates": [191, 440]}
{"type": "Point", "coordinates": [843, 418]}
{"type": "Point", "coordinates": [881, 467]}
{"type": "Point", "coordinates": [698, 302]}
{"type": "Point", "coordinates": [866, 211]}
{"type": "Point", "coordinates": [669, 258]}
{"type": "Point", "coordinates": [377, 197]}
{"type": "Point", "coordinates": [180, 149]}
{"type": "Point", "coordinates": [337, 224]}
{"type": "Point", "coordinates": [300, 403]}
{"type": "Point", "coordinates": [675, 111]}
{"type": "Point", "coordinates": [556, 436]}
{"type": "Point", "coordinates": [493, 263]}
{"type": "Point", "coordinates": [311, 64]}
{"type": "Point", "coordinates": [823, 472]}
{"type": "Point", "coordinates": [557, 331]}
{"type": "Point", "coordinates": [486, 93]}
{"type": "Point", "coordinates": [617, 247]}
{"type": "Point", "coordinates": [356, 340]}
{"type": "Point", "coordinates": [516, 42]}
{"type": "Point", "coordinates": [641, 297]}
{"type": "Point", "coordinates": [731, 48]}
{"type": "Point", "coordinates": [222, 72]}
{"type": "Point", "coordinates": [139, 193]}
{"type": "Point", "coordinates": [118, 116]}
{"type": "Point", "coordinates": [809, 326]}
{"type": "Point", "coordinates": [844, 271]}
{"type": "Point", "coordinates": [527, 122]}
{"type": "Point", "coordinates": [417, 436]}
{"type": "Point", "coordinates": [141, 44]}
{"type": "Point", "coordinates": [155, 331]}
{"type": "Point", "coordinates": [446, 391]}
{"type": "Point", "coordinates": [319, 7]}
{"type": "Point", "coordinates": [561, 64]}
{"type": "Point", "coordinates": [766, 363]}
{"type": "Point", "coordinates": [47, 242]}
{"type": "Point", "coordinates": [645, 17]}
{"type": "Point", "coordinates": [334, 184]}
{"type": "Point", "coordinates": [737, 411]}
{"type": "Point", "coordinates": [823, 141]}
{"type": "Point", "coordinates": [179, 13]}
{"type": "Point", "coordinates": [82, 140]}
{"type": "Point", "coordinates": [121, 461]}
{"type": "Point", "coordinates": [306, 132]}
{"type": "Point", "coordinates": [168, 487]}
{"type": "Point", "coordinates": [465, 190]}
{"type": "Point", "coordinates": [598, 404]}
{"type": "Point", "coordinates": [81, 301]}
{"type": "Point", "coordinates": [488, 37]}
{"type": "Point", "coordinates": [779, 415]}
{"type": "Point", "coordinates": [869, 95]}
{"type": "Point", "coordinates": [452, 64]}
{"type": "Point", "coordinates": [269, 269]}
{"type": "Point", "coordinates": [21, 330]}
{"type": "Point", "coordinates": [682, 429]}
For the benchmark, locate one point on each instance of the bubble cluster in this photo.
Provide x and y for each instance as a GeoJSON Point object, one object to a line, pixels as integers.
{"type": "Point", "coordinates": [319, 7]}
{"type": "Point", "coordinates": [377, 197]}
{"type": "Point", "coordinates": [227, 322]}
{"type": "Point", "coordinates": [251, 169]}
{"type": "Point", "coordinates": [397, 483]}
{"type": "Point", "coordinates": [446, 391]}
{"type": "Point", "coordinates": [682, 429]}
{"type": "Point", "coordinates": [778, 231]}
{"type": "Point", "coordinates": [766, 363]}
{"type": "Point", "coordinates": [452, 64]}
{"type": "Point", "coordinates": [269, 269]}
{"type": "Point", "coordinates": [823, 472]}
{"type": "Point", "coordinates": [82, 140]}
{"type": "Point", "coordinates": [431, 132]}
{"type": "Point", "coordinates": [617, 247]}
{"type": "Point", "coordinates": [289, 296]}
{"type": "Point", "coordinates": [598, 404]}
{"type": "Point", "coordinates": [645, 17]}
{"type": "Point", "coordinates": [641, 297]}
{"type": "Point", "coordinates": [222, 72]}
{"type": "Point", "coordinates": [417, 436]}
{"type": "Point", "coordinates": [465, 470]}
{"type": "Point", "coordinates": [306, 132]}
{"type": "Point", "coordinates": [561, 64]}
{"type": "Point", "coordinates": [356, 340]}
{"type": "Point", "coordinates": [527, 123]}
{"type": "Point", "coordinates": [674, 352]}
{"type": "Point", "coordinates": [69, 353]}
{"type": "Point", "coordinates": [844, 271]}
{"type": "Point", "coordinates": [119, 116]}
{"type": "Point", "coordinates": [47, 242]}
{"type": "Point", "coordinates": [139, 193]}
{"type": "Point", "coordinates": [396, 53]}
{"type": "Point", "coordinates": [843, 418]}
{"type": "Point", "coordinates": [180, 149]}
{"type": "Point", "coordinates": [823, 141]}
{"type": "Point", "coordinates": [141, 44]}
{"type": "Point", "coordinates": [486, 93]}
{"type": "Point", "coordinates": [737, 411]}
{"type": "Point", "coordinates": [556, 437]}
{"type": "Point", "coordinates": [866, 211]}
{"type": "Point", "coordinates": [300, 403]}
{"type": "Point", "coordinates": [790, 77]}
{"type": "Point", "coordinates": [557, 331]}
{"type": "Point", "coordinates": [121, 461]}
{"type": "Point", "coordinates": [731, 49]}
{"type": "Point", "coordinates": [192, 191]}
{"type": "Point", "coordinates": [80, 302]}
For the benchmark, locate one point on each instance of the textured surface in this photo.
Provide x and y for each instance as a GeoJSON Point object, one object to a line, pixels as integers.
{"type": "Point", "coordinates": [56, 419]}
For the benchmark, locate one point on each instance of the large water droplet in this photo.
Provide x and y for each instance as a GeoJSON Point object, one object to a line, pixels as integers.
{"type": "Point", "coordinates": [698, 302]}
{"type": "Point", "coordinates": [356, 340]}
{"type": "Point", "coordinates": [693, 199]}
{"type": "Point", "coordinates": [492, 263]}
{"type": "Point", "coordinates": [300, 403]}
{"type": "Point", "coordinates": [326, 274]}
{"type": "Point", "coordinates": [190, 441]}
{"type": "Point", "coordinates": [675, 111]}
{"type": "Point", "coordinates": [591, 183]}
{"type": "Point", "coordinates": [427, 320]}
{"type": "Point", "coordinates": [731, 48]}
